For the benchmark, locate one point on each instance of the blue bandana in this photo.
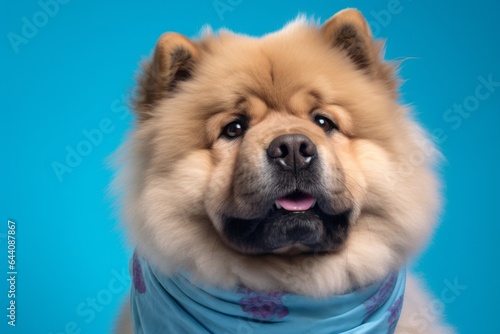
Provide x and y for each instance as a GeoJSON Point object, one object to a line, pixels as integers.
{"type": "Point", "coordinates": [162, 304]}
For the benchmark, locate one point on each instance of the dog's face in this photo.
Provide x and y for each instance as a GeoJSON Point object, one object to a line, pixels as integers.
{"type": "Point", "coordinates": [265, 152]}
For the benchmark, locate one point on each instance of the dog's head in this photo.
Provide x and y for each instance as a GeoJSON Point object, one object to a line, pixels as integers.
{"type": "Point", "coordinates": [284, 161]}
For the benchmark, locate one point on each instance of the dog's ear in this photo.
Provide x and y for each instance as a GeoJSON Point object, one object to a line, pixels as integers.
{"type": "Point", "coordinates": [348, 31]}
{"type": "Point", "coordinates": [173, 61]}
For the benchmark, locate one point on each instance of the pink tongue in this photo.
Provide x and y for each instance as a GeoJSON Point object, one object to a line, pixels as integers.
{"type": "Point", "coordinates": [296, 203]}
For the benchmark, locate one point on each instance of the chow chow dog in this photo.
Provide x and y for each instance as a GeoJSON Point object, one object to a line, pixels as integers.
{"type": "Point", "coordinates": [276, 185]}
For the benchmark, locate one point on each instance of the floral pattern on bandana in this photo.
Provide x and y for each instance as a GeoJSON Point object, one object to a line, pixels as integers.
{"type": "Point", "coordinates": [263, 305]}
{"type": "Point", "coordinates": [379, 298]}
{"type": "Point", "coordinates": [395, 311]}
{"type": "Point", "coordinates": [138, 277]}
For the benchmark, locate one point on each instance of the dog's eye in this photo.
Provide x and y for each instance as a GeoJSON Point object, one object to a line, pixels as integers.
{"type": "Point", "coordinates": [234, 129]}
{"type": "Point", "coordinates": [324, 123]}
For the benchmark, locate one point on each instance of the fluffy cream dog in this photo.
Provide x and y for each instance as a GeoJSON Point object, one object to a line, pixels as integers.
{"type": "Point", "coordinates": [281, 163]}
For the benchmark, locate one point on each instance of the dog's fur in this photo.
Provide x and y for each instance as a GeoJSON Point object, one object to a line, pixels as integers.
{"type": "Point", "coordinates": [181, 177]}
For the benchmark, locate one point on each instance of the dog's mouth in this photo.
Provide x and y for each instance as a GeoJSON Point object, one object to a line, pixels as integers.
{"type": "Point", "coordinates": [295, 202]}
{"type": "Point", "coordinates": [295, 223]}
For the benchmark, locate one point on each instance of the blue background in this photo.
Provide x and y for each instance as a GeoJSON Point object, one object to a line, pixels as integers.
{"type": "Point", "coordinates": [74, 75]}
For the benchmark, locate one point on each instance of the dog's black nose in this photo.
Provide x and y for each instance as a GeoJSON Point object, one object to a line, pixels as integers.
{"type": "Point", "coordinates": [293, 152]}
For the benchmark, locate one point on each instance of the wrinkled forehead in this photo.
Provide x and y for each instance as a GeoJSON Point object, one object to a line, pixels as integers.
{"type": "Point", "coordinates": [276, 69]}
{"type": "Point", "coordinates": [281, 72]}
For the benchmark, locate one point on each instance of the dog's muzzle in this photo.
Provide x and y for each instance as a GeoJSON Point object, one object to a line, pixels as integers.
{"type": "Point", "coordinates": [295, 213]}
